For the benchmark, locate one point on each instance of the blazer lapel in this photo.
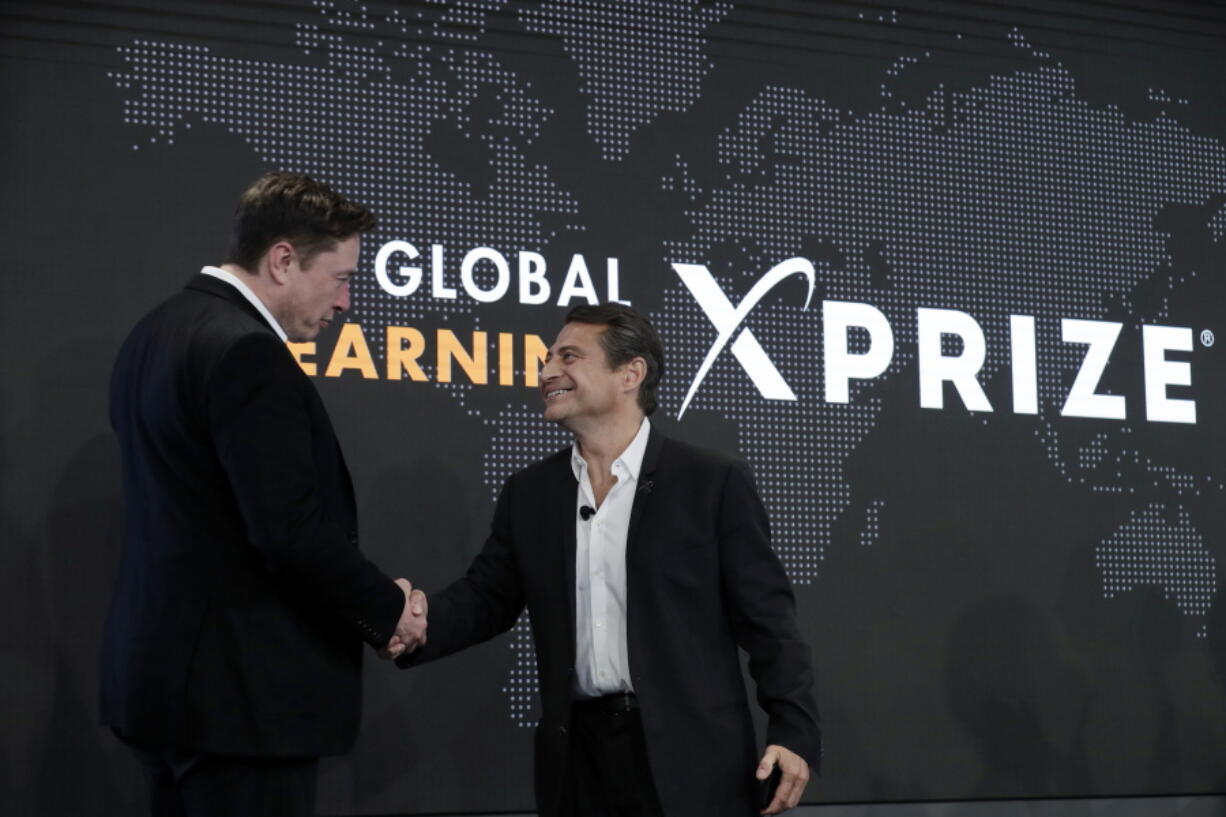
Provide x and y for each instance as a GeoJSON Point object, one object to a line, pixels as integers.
{"type": "Point", "coordinates": [642, 495]}
{"type": "Point", "coordinates": [563, 491]}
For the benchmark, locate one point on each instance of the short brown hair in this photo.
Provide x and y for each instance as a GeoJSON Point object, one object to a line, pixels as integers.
{"type": "Point", "coordinates": [293, 207]}
{"type": "Point", "coordinates": [628, 334]}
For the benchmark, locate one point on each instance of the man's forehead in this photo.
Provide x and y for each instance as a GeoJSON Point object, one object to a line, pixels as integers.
{"type": "Point", "coordinates": [341, 258]}
{"type": "Point", "coordinates": [579, 335]}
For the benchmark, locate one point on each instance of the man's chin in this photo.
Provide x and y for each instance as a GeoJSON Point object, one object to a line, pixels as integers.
{"type": "Point", "coordinates": [560, 418]}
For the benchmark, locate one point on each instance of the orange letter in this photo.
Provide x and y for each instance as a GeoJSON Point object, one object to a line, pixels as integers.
{"type": "Point", "coordinates": [474, 365]}
{"type": "Point", "coordinates": [299, 351]}
{"type": "Point", "coordinates": [534, 358]}
{"type": "Point", "coordinates": [401, 358]}
{"type": "Point", "coordinates": [506, 359]}
{"type": "Point", "coordinates": [351, 352]}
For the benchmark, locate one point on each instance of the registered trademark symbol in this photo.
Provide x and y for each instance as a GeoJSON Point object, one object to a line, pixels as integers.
{"type": "Point", "coordinates": [1206, 337]}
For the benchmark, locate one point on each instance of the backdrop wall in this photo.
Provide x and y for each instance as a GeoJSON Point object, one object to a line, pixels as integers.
{"type": "Point", "coordinates": [948, 275]}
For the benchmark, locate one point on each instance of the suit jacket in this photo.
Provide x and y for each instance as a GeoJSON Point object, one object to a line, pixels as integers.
{"type": "Point", "coordinates": [242, 599]}
{"type": "Point", "coordinates": [701, 580]}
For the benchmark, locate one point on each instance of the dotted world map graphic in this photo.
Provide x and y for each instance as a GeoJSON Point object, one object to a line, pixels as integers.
{"type": "Point", "coordinates": [1012, 196]}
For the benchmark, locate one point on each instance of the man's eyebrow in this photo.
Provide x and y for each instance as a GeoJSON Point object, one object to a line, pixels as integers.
{"type": "Point", "coordinates": [549, 353]}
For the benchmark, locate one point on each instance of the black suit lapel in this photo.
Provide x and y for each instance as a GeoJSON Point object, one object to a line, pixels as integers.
{"type": "Point", "coordinates": [646, 484]}
{"type": "Point", "coordinates": [562, 493]}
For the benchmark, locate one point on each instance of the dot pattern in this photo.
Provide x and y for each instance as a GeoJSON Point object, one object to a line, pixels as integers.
{"type": "Point", "coordinates": [1011, 197]}
{"type": "Point", "coordinates": [1109, 464]}
{"type": "Point", "coordinates": [637, 58]}
{"type": "Point", "coordinates": [522, 689]}
{"type": "Point", "coordinates": [519, 437]}
{"type": "Point", "coordinates": [359, 110]}
{"type": "Point", "coordinates": [1160, 548]}
{"type": "Point", "coordinates": [465, 19]}
{"type": "Point", "coordinates": [363, 110]}
{"type": "Point", "coordinates": [1217, 224]}
{"type": "Point", "coordinates": [1093, 454]}
{"type": "Point", "coordinates": [871, 531]}
{"type": "Point", "coordinates": [800, 475]}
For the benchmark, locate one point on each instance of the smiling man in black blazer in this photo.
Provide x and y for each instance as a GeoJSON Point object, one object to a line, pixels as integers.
{"type": "Point", "coordinates": [232, 651]}
{"type": "Point", "coordinates": [644, 563]}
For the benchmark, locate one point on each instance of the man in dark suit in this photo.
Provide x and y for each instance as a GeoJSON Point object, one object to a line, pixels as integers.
{"type": "Point", "coordinates": [232, 651]}
{"type": "Point", "coordinates": [644, 564]}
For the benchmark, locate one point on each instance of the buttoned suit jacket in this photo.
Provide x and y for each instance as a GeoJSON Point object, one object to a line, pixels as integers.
{"type": "Point", "coordinates": [701, 580]}
{"type": "Point", "coordinates": [242, 599]}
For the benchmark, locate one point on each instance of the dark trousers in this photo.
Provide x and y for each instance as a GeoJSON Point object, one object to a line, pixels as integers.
{"type": "Point", "coordinates": [192, 784]}
{"type": "Point", "coordinates": [607, 773]}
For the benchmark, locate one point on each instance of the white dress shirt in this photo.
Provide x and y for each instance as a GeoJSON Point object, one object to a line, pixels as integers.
{"type": "Point", "coordinates": [602, 663]}
{"type": "Point", "coordinates": [236, 282]}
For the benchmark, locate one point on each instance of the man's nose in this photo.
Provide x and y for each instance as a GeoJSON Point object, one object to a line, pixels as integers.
{"type": "Point", "coordinates": [548, 371]}
{"type": "Point", "coordinates": [342, 301]}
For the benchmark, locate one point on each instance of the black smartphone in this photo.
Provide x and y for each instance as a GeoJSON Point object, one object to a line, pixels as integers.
{"type": "Point", "coordinates": [767, 787]}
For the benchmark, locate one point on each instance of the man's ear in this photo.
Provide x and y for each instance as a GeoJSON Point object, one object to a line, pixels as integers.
{"type": "Point", "coordinates": [634, 373]}
{"type": "Point", "coordinates": [280, 259]}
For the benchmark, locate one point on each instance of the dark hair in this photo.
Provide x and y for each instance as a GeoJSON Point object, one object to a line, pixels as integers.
{"type": "Point", "coordinates": [292, 207]}
{"type": "Point", "coordinates": [628, 334]}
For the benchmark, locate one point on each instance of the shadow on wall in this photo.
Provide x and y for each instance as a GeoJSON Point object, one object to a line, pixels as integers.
{"type": "Point", "coordinates": [61, 549]}
{"type": "Point", "coordinates": [83, 536]}
{"type": "Point", "coordinates": [428, 490]}
{"type": "Point", "coordinates": [27, 654]}
{"type": "Point", "coordinates": [1019, 699]}
{"type": "Point", "coordinates": [1143, 659]}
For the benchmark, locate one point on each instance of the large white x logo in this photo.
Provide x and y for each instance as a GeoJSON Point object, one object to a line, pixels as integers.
{"type": "Point", "coordinates": [727, 319]}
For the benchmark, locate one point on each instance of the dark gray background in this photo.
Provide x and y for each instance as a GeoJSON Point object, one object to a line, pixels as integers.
{"type": "Point", "coordinates": [968, 653]}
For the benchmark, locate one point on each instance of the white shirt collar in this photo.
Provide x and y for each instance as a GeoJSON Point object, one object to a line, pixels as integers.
{"type": "Point", "coordinates": [631, 459]}
{"type": "Point", "coordinates": [236, 282]}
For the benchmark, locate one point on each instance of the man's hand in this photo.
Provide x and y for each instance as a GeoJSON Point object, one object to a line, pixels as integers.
{"type": "Point", "coordinates": [411, 629]}
{"type": "Point", "coordinates": [792, 784]}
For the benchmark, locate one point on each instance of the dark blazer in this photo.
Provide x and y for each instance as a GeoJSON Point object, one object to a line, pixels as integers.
{"type": "Point", "coordinates": [242, 600]}
{"type": "Point", "coordinates": [701, 579]}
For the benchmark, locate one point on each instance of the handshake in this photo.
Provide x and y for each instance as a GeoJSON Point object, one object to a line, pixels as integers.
{"type": "Point", "coordinates": [411, 629]}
